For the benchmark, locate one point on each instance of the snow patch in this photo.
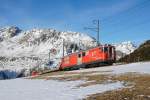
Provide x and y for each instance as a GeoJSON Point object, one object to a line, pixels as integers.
{"type": "Point", "coordinates": [24, 89]}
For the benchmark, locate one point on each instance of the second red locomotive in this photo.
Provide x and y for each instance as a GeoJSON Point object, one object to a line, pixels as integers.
{"type": "Point", "coordinates": [104, 54]}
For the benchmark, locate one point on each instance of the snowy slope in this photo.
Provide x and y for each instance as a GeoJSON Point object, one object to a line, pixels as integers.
{"type": "Point", "coordinates": [141, 67]}
{"type": "Point", "coordinates": [38, 42]}
{"type": "Point", "coordinates": [23, 89]}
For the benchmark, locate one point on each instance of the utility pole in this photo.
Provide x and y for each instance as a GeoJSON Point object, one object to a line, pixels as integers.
{"type": "Point", "coordinates": [97, 22]}
{"type": "Point", "coordinates": [49, 55]}
{"type": "Point", "coordinates": [96, 29]}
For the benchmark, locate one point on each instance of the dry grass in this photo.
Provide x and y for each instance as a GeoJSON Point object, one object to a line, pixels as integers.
{"type": "Point", "coordinates": [140, 89]}
{"type": "Point", "coordinates": [67, 75]}
{"type": "Point", "coordinates": [92, 79]}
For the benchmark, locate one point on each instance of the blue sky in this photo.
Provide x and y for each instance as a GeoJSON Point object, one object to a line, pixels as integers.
{"type": "Point", "coordinates": [120, 20]}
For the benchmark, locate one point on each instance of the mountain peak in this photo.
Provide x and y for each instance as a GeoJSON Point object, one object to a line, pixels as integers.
{"type": "Point", "coordinates": [9, 32]}
{"type": "Point", "coordinates": [124, 48]}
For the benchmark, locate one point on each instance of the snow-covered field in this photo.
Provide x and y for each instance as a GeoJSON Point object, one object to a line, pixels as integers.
{"type": "Point", "coordinates": [40, 89]}
{"type": "Point", "coordinates": [24, 89]}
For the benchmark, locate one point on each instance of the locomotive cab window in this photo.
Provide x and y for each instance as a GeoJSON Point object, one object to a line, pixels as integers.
{"type": "Point", "coordinates": [83, 54]}
{"type": "Point", "coordinates": [105, 49]}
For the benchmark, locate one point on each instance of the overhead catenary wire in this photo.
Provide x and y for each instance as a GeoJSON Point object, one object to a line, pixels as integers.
{"type": "Point", "coordinates": [96, 29]}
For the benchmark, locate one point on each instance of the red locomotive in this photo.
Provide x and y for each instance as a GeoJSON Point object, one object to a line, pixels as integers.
{"type": "Point", "coordinates": [104, 54]}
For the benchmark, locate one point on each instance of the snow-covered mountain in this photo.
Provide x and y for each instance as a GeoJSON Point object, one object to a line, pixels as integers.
{"type": "Point", "coordinates": [37, 42]}
{"type": "Point", "coordinates": [21, 51]}
{"type": "Point", "coordinates": [25, 50]}
{"type": "Point", "coordinates": [124, 48]}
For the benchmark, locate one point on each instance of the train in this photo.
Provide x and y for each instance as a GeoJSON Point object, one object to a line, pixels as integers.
{"type": "Point", "coordinates": [94, 57]}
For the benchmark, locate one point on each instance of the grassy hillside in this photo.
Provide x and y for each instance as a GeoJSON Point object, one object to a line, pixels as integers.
{"type": "Point", "coordinates": [140, 54]}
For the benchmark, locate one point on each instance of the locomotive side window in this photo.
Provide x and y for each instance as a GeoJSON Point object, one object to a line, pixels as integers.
{"type": "Point", "coordinates": [79, 55]}
{"type": "Point", "coordinates": [83, 54]}
{"type": "Point", "coordinates": [105, 49]}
